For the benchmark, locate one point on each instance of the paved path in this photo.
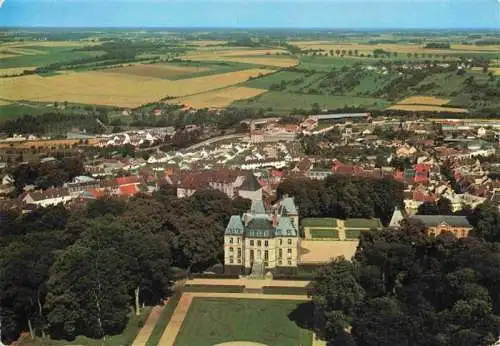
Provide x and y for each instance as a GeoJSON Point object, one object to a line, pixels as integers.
{"type": "Point", "coordinates": [341, 228]}
{"type": "Point", "coordinates": [249, 283]}
{"type": "Point", "coordinates": [145, 332]}
{"type": "Point", "coordinates": [180, 312]}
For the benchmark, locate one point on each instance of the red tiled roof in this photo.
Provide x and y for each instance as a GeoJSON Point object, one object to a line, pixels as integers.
{"type": "Point", "coordinates": [422, 197]}
{"type": "Point", "coordinates": [127, 180]}
{"type": "Point", "coordinates": [96, 193]}
{"type": "Point", "coordinates": [128, 190]}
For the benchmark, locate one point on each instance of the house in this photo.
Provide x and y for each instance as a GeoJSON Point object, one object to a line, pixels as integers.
{"type": "Point", "coordinates": [48, 197]}
{"type": "Point", "coordinates": [437, 224]}
{"type": "Point", "coordinates": [260, 241]}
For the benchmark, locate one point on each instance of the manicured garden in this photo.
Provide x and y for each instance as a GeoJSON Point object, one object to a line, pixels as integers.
{"type": "Point", "coordinates": [211, 321]}
{"type": "Point", "coordinates": [327, 222]}
{"type": "Point", "coordinates": [362, 223]}
{"type": "Point", "coordinates": [324, 233]}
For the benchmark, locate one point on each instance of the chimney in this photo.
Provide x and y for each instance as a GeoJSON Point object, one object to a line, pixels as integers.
{"type": "Point", "coordinates": [275, 221]}
{"type": "Point", "coordinates": [245, 219]}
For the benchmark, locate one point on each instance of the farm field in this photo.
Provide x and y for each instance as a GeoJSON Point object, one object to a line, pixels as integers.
{"type": "Point", "coordinates": [424, 100]}
{"type": "Point", "coordinates": [211, 321]}
{"type": "Point", "coordinates": [283, 102]}
{"type": "Point", "coordinates": [219, 98]}
{"type": "Point", "coordinates": [426, 108]}
{"type": "Point", "coordinates": [53, 143]}
{"type": "Point", "coordinates": [166, 71]}
{"type": "Point", "coordinates": [395, 47]}
{"type": "Point", "coordinates": [108, 88]}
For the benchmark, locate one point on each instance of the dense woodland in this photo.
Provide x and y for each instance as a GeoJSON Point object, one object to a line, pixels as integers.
{"type": "Point", "coordinates": [344, 197]}
{"type": "Point", "coordinates": [80, 272]}
{"type": "Point", "coordinates": [405, 288]}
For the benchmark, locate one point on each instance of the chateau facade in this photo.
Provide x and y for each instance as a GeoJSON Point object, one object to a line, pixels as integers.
{"type": "Point", "coordinates": [268, 239]}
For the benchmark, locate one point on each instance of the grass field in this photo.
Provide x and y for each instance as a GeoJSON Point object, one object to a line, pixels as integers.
{"type": "Point", "coordinates": [319, 222]}
{"type": "Point", "coordinates": [284, 102]}
{"type": "Point", "coordinates": [108, 88]}
{"type": "Point", "coordinates": [125, 338]}
{"type": "Point", "coordinates": [212, 320]}
{"type": "Point", "coordinates": [362, 223]}
{"type": "Point", "coordinates": [456, 49]}
{"type": "Point", "coordinates": [324, 233]}
{"type": "Point", "coordinates": [218, 98]}
{"type": "Point", "coordinates": [167, 71]}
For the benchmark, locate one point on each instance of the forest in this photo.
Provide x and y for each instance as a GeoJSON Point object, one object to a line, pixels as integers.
{"type": "Point", "coordinates": [67, 273]}
{"type": "Point", "coordinates": [406, 288]}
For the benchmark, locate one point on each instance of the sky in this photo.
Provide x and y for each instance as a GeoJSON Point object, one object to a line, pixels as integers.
{"type": "Point", "coordinates": [334, 14]}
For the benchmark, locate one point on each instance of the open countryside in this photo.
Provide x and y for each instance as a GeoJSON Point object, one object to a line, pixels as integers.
{"type": "Point", "coordinates": [249, 173]}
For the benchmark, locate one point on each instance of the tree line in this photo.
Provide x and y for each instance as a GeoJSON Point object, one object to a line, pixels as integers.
{"type": "Point", "coordinates": [406, 288]}
{"type": "Point", "coordinates": [79, 273]}
{"type": "Point", "coordinates": [344, 196]}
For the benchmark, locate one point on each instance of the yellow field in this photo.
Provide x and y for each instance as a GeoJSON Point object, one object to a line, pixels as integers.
{"type": "Point", "coordinates": [157, 70]}
{"type": "Point", "coordinates": [50, 43]}
{"type": "Point", "coordinates": [391, 47]}
{"type": "Point", "coordinates": [424, 108]}
{"type": "Point", "coordinates": [424, 100]}
{"type": "Point", "coordinates": [108, 88]}
{"type": "Point", "coordinates": [204, 43]}
{"type": "Point", "coordinates": [4, 103]}
{"type": "Point", "coordinates": [261, 57]}
{"type": "Point", "coordinates": [219, 98]}
{"type": "Point", "coordinates": [13, 70]}
{"type": "Point", "coordinates": [45, 143]}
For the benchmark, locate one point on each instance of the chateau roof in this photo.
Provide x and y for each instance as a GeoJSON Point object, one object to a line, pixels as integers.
{"type": "Point", "coordinates": [285, 228]}
{"type": "Point", "coordinates": [260, 227]}
{"type": "Point", "coordinates": [289, 205]}
{"type": "Point", "coordinates": [436, 220]}
{"type": "Point", "coordinates": [235, 226]}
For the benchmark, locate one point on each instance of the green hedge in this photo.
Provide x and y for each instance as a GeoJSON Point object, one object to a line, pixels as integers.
{"type": "Point", "coordinates": [285, 290]}
{"type": "Point", "coordinates": [214, 288]}
{"type": "Point", "coordinates": [324, 233]}
{"type": "Point", "coordinates": [164, 318]}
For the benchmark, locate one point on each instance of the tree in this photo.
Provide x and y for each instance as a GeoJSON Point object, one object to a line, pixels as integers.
{"type": "Point", "coordinates": [428, 208]}
{"type": "Point", "coordinates": [444, 206]}
{"type": "Point", "coordinates": [486, 222]}
{"type": "Point", "coordinates": [335, 292]}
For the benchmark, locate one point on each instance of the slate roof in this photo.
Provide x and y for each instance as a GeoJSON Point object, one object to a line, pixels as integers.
{"type": "Point", "coordinates": [285, 228]}
{"type": "Point", "coordinates": [260, 227]}
{"type": "Point", "coordinates": [435, 220]}
{"type": "Point", "coordinates": [235, 226]}
{"type": "Point", "coordinates": [257, 207]}
{"type": "Point", "coordinates": [250, 183]}
{"type": "Point", "coordinates": [289, 205]}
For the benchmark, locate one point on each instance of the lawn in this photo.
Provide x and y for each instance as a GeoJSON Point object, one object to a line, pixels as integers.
{"type": "Point", "coordinates": [362, 223]}
{"type": "Point", "coordinates": [320, 221]}
{"type": "Point", "coordinates": [324, 233]}
{"type": "Point", "coordinates": [15, 110]}
{"type": "Point", "coordinates": [211, 321]}
{"type": "Point", "coordinates": [284, 102]}
{"type": "Point", "coordinates": [125, 338]}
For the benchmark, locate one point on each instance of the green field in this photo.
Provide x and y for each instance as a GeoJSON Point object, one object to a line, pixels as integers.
{"type": "Point", "coordinates": [284, 102]}
{"type": "Point", "coordinates": [329, 222]}
{"type": "Point", "coordinates": [352, 233]}
{"type": "Point", "coordinates": [125, 338]}
{"type": "Point", "coordinates": [210, 321]}
{"type": "Point", "coordinates": [324, 233]}
{"type": "Point", "coordinates": [16, 110]}
{"type": "Point", "coordinates": [47, 56]}
{"type": "Point", "coordinates": [362, 223]}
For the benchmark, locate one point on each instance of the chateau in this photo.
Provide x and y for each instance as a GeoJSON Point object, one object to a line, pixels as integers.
{"type": "Point", "coordinates": [260, 240]}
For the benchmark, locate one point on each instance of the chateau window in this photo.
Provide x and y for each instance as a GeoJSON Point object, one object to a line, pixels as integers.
{"type": "Point", "coordinates": [280, 253]}
{"type": "Point", "coordinates": [231, 261]}
{"type": "Point", "coordinates": [289, 262]}
{"type": "Point", "coordinates": [289, 250]}
{"type": "Point", "coordinates": [251, 242]}
{"type": "Point", "coordinates": [239, 252]}
{"type": "Point", "coordinates": [238, 240]}
{"type": "Point", "coordinates": [290, 241]}
{"type": "Point", "coordinates": [239, 260]}
{"type": "Point", "coordinates": [280, 262]}
{"type": "Point", "coordinates": [251, 255]}
{"type": "Point", "coordinates": [281, 241]}
{"type": "Point", "coordinates": [231, 249]}
{"type": "Point", "coordinates": [231, 240]}
{"type": "Point", "coordinates": [259, 243]}
{"type": "Point", "coordinates": [266, 243]}
{"type": "Point", "coordinates": [266, 255]}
